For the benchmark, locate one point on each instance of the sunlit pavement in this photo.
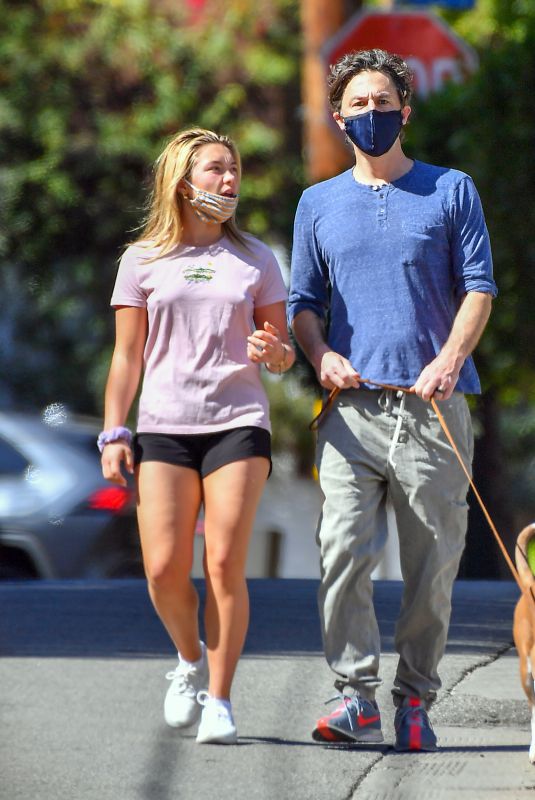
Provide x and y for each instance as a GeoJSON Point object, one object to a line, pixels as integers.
{"type": "Point", "coordinates": [83, 677]}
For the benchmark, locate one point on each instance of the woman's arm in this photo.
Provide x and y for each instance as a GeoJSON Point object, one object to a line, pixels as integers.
{"type": "Point", "coordinates": [121, 386]}
{"type": "Point", "coordinates": [270, 344]}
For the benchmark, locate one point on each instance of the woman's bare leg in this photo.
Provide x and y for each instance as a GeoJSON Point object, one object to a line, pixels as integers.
{"type": "Point", "coordinates": [169, 499]}
{"type": "Point", "coordinates": [231, 497]}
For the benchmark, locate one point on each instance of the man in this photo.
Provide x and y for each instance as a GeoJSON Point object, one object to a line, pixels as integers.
{"type": "Point", "coordinates": [391, 281]}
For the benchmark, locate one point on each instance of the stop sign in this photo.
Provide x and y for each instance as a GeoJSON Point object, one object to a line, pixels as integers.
{"type": "Point", "coordinates": [428, 45]}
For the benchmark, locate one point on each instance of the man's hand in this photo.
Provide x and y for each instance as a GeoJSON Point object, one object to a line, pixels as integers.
{"type": "Point", "coordinates": [336, 371]}
{"type": "Point", "coordinates": [332, 369]}
{"type": "Point", "coordinates": [437, 380]}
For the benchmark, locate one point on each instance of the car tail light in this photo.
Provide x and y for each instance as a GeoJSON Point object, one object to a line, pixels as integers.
{"type": "Point", "coordinates": [110, 498]}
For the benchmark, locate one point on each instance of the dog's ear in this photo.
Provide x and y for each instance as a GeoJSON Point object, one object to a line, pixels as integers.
{"type": "Point", "coordinates": [525, 556]}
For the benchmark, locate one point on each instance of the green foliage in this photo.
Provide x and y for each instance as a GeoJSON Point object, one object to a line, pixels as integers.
{"type": "Point", "coordinates": [90, 91]}
{"type": "Point", "coordinates": [292, 408]}
{"type": "Point", "coordinates": [518, 427]}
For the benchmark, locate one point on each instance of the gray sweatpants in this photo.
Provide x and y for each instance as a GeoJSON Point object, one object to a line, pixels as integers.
{"type": "Point", "coordinates": [373, 445]}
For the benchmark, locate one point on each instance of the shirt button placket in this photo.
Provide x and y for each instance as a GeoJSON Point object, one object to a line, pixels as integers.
{"type": "Point", "coordinates": [381, 210]}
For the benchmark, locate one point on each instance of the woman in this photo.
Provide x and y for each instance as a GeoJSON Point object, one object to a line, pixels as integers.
{"type": "Point", "coordinates": [199, 306]}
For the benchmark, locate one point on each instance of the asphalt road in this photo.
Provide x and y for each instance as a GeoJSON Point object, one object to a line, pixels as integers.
{"type": "Point", "coordinates": [83, 677]}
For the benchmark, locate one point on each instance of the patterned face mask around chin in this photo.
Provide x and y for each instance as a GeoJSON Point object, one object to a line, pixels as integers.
{"type": "Point", "coordinates": [212, 208]}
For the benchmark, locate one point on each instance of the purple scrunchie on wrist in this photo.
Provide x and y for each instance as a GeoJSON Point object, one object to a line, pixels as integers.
{"type": "Point", "coordinates": [114, 435]}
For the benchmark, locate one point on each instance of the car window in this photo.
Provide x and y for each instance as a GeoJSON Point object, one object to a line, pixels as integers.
{"type": "Point", "coordinates": [11, 461]}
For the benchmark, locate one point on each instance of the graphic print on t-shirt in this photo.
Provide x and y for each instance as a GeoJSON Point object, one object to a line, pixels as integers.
{"type": "Point", "coordinates": [196, 274]}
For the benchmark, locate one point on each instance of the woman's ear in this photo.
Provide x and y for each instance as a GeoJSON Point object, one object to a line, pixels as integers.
{"type": "Point", "coordinates": [182, 188]}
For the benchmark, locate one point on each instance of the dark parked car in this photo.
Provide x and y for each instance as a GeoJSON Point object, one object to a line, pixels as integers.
{"type": "Point", "coordinates": [59, 518]}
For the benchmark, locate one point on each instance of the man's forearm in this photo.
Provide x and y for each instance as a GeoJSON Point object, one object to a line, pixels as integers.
{"type": "Point", "coordinates": [309, 331]}
{"type": "Point", "coordinates": [468, 327]}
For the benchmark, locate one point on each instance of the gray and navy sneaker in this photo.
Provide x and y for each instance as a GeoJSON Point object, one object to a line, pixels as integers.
{"type": "Point", "coordinates": [354, 720]}
{"type": "Point", "coordinates": [412, 726]}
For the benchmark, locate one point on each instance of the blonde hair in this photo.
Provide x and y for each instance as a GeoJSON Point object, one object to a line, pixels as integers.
{"type": "Point", "coordinates": [163, 226]}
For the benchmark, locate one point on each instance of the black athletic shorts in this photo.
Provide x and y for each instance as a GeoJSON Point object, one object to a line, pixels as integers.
{"type": "Point", "coordinates": [203, 452]}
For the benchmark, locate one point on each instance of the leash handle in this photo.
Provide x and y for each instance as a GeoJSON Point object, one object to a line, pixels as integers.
{"type": "Point", "coordinates": [333, 394]}
{"type": "Point", "coordinates": [326, 408]}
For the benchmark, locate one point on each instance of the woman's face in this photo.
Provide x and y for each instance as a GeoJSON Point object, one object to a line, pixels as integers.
{"type": "Point", "coordinates": [216, 170]}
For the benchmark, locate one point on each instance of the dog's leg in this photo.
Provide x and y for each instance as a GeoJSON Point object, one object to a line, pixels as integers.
{"type": "Point", "coordinates": [532, 745]}
{"type": "Point", "coordinates": [530, 691]}
{"type": "Point", "coordinates": [528, 682]}
{"type": "Point", "coordinates": [524, 623]}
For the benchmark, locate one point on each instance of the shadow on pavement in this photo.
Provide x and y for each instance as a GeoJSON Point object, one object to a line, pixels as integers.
{"type": "Point", "coordinates": [115, 619]}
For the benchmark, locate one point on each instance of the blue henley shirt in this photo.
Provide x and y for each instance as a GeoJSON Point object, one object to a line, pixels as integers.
{"type": "Point", "coordinates": [387, 267]}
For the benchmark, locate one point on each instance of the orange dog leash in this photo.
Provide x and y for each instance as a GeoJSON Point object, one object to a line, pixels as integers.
{"type": "Point", "coordinates": [327, 406]}
{"type": "Point", "coordinates": [477, 495]}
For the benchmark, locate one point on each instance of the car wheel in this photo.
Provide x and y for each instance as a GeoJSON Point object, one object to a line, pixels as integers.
{"type": "Point", "coordinates": [15, 565]}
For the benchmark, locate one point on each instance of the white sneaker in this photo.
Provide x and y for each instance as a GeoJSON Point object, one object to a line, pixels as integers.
{"type": "Point", "coordinates": [217, 725]}
{"type": "Point", "coordinates": [181, 708]}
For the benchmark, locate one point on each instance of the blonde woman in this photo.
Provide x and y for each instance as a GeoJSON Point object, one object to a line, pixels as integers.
{"type": "Point", "coordinates": [199, 306]}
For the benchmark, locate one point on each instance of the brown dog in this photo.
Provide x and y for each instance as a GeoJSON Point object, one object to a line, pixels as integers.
{"type": "Point", "coordinates": [524, 625]}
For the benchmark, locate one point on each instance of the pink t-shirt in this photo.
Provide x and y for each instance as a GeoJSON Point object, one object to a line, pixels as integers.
{"type": "Point", "coordinates": [200, 304]}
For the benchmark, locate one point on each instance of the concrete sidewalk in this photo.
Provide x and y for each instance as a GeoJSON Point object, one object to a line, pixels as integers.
{"type": "Point", "coordinates": [482, 724]}
{"type": "Point", "coordinates": [83, 678]}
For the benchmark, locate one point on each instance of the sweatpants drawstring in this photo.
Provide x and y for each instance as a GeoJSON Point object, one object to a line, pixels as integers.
{"type": "Point", "coordinates": [386, 403]}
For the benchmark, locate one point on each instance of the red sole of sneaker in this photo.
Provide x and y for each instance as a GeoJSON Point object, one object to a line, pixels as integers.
{"type": "Point", "coordinates": [325, 734]}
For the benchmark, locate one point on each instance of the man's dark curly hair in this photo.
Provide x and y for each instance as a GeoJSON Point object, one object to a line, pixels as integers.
{"type": "Point", "coordinates": [369, 60]}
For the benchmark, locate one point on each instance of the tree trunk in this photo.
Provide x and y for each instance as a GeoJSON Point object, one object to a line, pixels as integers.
{"type": "Point", "coordinates": [324, 151]}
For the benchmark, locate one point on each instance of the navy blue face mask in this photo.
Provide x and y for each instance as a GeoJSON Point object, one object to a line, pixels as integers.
{"type": "Point", "coordinates": [374, 132]}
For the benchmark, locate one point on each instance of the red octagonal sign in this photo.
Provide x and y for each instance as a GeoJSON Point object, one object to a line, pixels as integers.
{"type": "Point", "coordinates": [430, 47]}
